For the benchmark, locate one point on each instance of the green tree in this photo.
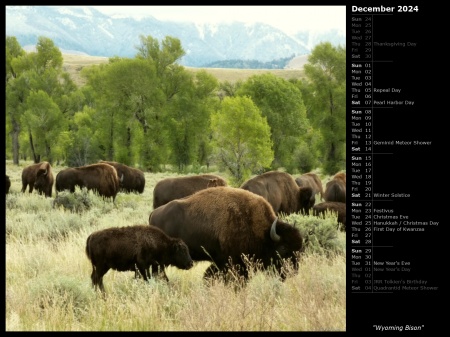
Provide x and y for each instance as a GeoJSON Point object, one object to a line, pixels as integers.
{"type": "Point", "coordinates": [326, 101]}
{"type": "Point", "coordinates": [162, 56]}
{"type": "Point", "coordinates": [83, 144]}
{"type": "Point", "coordinates": [188, 120]}
{"type": "Point", "coordinates": [35, 72]}
{"type": "Point", "coordinates": [134, 99]}
{"type": "Point", "coordinates": [43, 121]}
{"type": "Point", "coordinates": [15, 95]}
{"type": "Point", "coordinates": [241, 138]}
{"type": "Point", "coordinates": [281, 103]}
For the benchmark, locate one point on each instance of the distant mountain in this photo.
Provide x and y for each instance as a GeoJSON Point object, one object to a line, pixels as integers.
{"type": "Point", "coordinates": [84, 30]}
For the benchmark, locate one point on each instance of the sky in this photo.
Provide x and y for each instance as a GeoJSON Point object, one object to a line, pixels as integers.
{"type": "Point", "coordinates": [289, 19]}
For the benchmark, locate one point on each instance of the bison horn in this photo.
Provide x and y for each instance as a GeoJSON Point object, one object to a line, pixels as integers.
{"type": "Point", "coordinates": [121, 178]}
{"type": "Point", "coordinates": [45, 172]}
{"type": "Point", "coordinates": [273, 232]}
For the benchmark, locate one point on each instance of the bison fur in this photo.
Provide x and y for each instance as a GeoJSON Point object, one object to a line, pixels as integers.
{"type": "Point", "coordinates": [335, 189]}
{"type": "Point", "coordinates": [38, 176]}
{"type": "Point", "coordinates": [101, 178]}
{"type": "Point", "coordinates": [139, 246]}
{"type": "Point", "coordinates": [312, 180]}
{"type": "Point", "coordinates": [332, 206]}
{"type": "Point", "coordinates": [8, 184]}
{"type": "Point", "coordinates": [226, 225]}
{"type": "Point", "coordinates": [169, 189]}
{"type": "Point", "coordinates": [281, 191]}
{"type": "Point", "coordinates": [131, 179]}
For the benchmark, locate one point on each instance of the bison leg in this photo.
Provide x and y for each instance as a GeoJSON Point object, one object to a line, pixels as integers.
{"type": "Point", "coordinates": [158, 271]}
{"type": "Point", "coordinates": [143, 270]}
{"type": "Point", "coordinates": [24, 187]}
{"type": "Point", "coordinates": [97, 277]}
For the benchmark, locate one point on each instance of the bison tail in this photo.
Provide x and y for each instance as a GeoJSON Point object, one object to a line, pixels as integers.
{"type": "Point", "coordinates": [88, 251]}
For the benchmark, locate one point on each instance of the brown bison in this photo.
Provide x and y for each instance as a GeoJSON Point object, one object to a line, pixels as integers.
{"type": "Point", "coordinates": [341, 176]}
{"type": "Point", "coordinates": [176, 188]}
{"type": "Point", "coordinates": [332, 206]}
{"type": "Point", "coordinates": [335, 189]}
{"type": "Point", "coordinates": [38, 176]}
{"type": "Point", "coordinates": [227, 225]}
{"type": "Point", "coordinates": [8, 184]}
{"type": "Point", "coordinates": [312, 180]}
{"type": "Point", "coordinates": [139, 246]}
{"type": "Point", "coordinates": [101, 178]}
{"type": "Point", "coordinates": [281, 191]}
{"type": "Point", "coordinates": [132, 179]}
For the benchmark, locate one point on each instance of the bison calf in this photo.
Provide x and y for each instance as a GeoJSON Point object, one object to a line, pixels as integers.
{"type": "Point", "coordinates": [143, 246]}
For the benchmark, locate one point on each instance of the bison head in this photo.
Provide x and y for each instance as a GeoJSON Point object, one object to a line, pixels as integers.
{"type": "Point", "coordinates": [288, 244]}
{"type": "Point", "coordinates": [306, 199]}
{"type": "Point", "coordinates": [181, 255]}
{"type": "Point", "coordinates": [41, 179]}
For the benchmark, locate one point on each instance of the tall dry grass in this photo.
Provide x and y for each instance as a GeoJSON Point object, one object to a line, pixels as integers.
{"type": "Point", "coordinates": [48, 285]}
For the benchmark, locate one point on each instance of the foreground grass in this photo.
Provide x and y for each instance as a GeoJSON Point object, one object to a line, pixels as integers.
{"type": "Point", "coordinates": [48, 286]}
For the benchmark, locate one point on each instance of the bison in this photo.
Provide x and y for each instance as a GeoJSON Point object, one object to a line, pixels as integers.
{"type": "Point", "coordinates": [132, 179]}
{"type": "Point", "coordinates": [38, 176]}
{"type": "Point", "coordinates": [335, 189]}
{"type": "Point", "coordinates": [138, 246]}
{"type": "Point", "coordinates": [312, 180]}
{"type": "Point", "coordinates": [227, 226]}
{"type": "Point", "coordinates": [8, 184]}
{"type": "Point", "coordinates": [281, 191]}
{"type": "Point", "coordinates": [176, 188]}
{"type": "Point", "coordinates": [101, 178]}
{"type": "Point", "coordinates": [332, 206]}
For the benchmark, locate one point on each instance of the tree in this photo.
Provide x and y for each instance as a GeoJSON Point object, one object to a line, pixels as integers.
{"type": "Point", "coordinates": [241, 138]}
{"type": "Point", "coordinates": [281, 103]}
{"type": "Point", "coordinates": [325, 94]}
{"type": "Point", "coordinates": [189, 119]}
{"type": "Point", "coordinates": [35, 73]}
{"type": "Point", "coordinates": [15, 94]}
{"type": "Point", "coordinates": [83, 144]}
{"type": "Point", "coordinates": [43, 121]}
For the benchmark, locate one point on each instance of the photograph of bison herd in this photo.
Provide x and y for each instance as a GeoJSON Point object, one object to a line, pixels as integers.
{"type": "Point", "coordinates": [269, 225]}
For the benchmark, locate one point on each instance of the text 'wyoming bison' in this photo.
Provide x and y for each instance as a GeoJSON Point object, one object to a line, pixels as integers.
{"type": "Point", "coordinates": [131, 179]}
{"type": "Point", "coordinates": [176, 188]}
{"type": "Point", "coordinates": [101, 178]}
{"type": "Point", "coordinates": [230, 225]}
{"type": "Point", "coordinates": [281, 191]}
{"type": "Point", "coordinates": [38, 176]}
{"type": "Point", "coordinates": [139, 246]}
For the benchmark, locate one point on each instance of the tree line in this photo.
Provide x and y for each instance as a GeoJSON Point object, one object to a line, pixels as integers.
{"type": "Point", "coordinates": [150, 112]}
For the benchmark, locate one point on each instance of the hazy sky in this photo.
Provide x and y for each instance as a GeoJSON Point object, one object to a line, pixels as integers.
{"type": "Point", "coordinates": [287, 18]}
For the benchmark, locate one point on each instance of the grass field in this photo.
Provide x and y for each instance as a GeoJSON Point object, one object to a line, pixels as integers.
{"type": "Point", "coordinates": [48, 285]}
{"type": "Point", "coordinates": [74, 63]}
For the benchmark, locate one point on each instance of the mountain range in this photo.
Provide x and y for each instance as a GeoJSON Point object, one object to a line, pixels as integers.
{"type": "Point", "coordinates": [85, 30]}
